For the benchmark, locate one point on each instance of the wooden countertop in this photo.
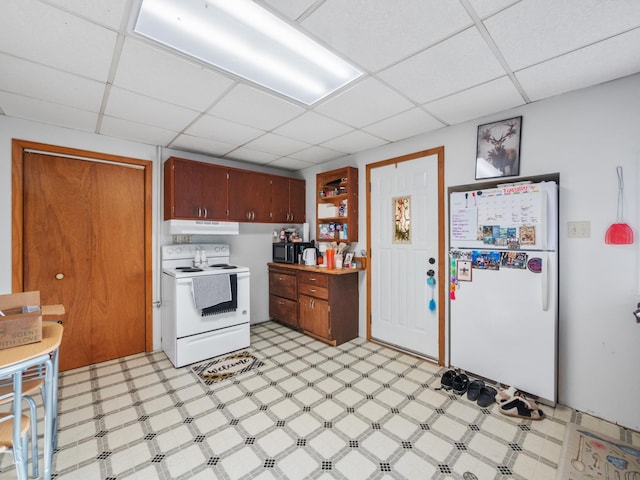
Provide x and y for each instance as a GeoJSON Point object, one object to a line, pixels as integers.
{"type": "Point", "coordinates": [304, 268]}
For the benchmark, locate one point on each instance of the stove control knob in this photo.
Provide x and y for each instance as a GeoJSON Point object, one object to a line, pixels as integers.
{"type": "Point", "coordinates": [178, 250]}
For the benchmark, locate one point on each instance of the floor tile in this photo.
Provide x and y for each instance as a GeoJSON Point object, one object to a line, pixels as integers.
{"type": "Point", "coordinates": [356, 411]}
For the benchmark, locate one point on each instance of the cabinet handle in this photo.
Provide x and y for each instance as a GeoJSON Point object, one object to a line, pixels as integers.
{"type": "Point", "coordinates": [248, 215]}
{"type": "Point", "coordinates": [312, 290]}
{"type": "Point", "coordinates": [253, 215]}
{"type": "Point", "coordinates": [313, 279]}
{"type": "Point", "coordinates": [206, 212]}
{"type": "Point", "coordinates": [280, 302]}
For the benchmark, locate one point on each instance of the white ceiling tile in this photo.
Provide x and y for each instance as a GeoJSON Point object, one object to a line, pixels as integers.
{"type": "Point", "coordinates": [170, 77]}
{"type": "Point", "coordinates": [255, 108]}
{"type": "Point", "coordinates": [316, 154]}
{"type": "Point", "coordinates": [46, 112]}
{"type": "Point", "coordinates": [477, 102]}
{"type": "Point", "coordinates": [289, 163]}
{"type": "Point", "coordinates": [52, 37]}
{"type": "Point", "coordinates": [355, 107]}
{"type": "Point", "coordinates": [222, 130]}
{"type": "Point", "coordinates": [453, 65]}
{"type": "Point", "coordinates": [289, 8]}
{"type": "Point", "coordinates": [531, 32]}
{"type": "Point", "coordinates": [108, 13]}
{"type": "Point", "coordinates": [313, 128]}
{"type": "Point", "coordinates": [485, 8]}
{"type": "Point", "coordinates": [276, 144]}
{"type": "Point", "coordinates": [150, 111]}
{"type": "Point", "coordinates": [201, 145]}
{"type": "Point", "coordinates": [43, 83]}
{"type": "Point", "coordinates": [352, 142]}
{"type": "Point", "coordinates": [378, 33]}
{"type": "Point", "coordinates": [247, 155]}
{"type": "Point", "coordinates": [117, 127]}
{"type": "Point", "coordinates": [404, 125]}
{"type": "Point", "coordinates": [591, 65]}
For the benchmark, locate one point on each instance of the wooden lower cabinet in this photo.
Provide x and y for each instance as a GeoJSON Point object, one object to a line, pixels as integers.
{"type": "Point", "coordinates": [314, 316]}
{"type": "Point", "coordinates": [326, 303]}
{"type": "Point", "coordinates": [283, 296]}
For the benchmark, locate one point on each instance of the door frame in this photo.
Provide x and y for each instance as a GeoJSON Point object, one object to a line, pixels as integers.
{"type": "Point", "coordinates": [18, 149]}
{"type": "Point", "coordinates": [442, 264]}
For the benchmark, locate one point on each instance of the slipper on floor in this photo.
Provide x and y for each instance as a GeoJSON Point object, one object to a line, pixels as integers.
{"type": "Point", "coordinates": [518, 407]}
{"type": "Point", "coordinates": [510, 393]}
{"type": "Point", "coordinates": [474, 390]}
{"type": "Point", "coordinates": [486, 396]}
{"type": "Point", "coordinates": [447, 379]}
{"type": "Point", "coordinates": [460, 384]}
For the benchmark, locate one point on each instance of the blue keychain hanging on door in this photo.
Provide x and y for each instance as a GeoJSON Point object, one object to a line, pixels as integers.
{"type": "Point", "coordinates": [431, 281]}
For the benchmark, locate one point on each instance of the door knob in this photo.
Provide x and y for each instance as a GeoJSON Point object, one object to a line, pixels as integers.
{"type": "Point", "coordinates": [59, 276]}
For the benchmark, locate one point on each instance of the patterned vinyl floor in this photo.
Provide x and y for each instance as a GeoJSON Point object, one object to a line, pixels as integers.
{"type": "Point", "coordinates": [357, 411]}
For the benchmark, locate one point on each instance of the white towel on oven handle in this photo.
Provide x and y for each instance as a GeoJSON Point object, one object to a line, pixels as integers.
{"type": "Point", "coordinates": [210, 290]}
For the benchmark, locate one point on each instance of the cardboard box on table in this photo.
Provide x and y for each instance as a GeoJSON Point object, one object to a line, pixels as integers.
{"type": "Point", "coordinates": [22, 320]}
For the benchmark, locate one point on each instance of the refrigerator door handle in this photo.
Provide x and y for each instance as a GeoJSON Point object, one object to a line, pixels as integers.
{"type": "Point", "coordinates": [544, 290]}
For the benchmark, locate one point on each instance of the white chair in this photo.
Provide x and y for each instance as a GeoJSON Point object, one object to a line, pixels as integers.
{"type": "Point", "coordinates": [32, 382]}
{"type": "Point", "coordinates": [14, 426]}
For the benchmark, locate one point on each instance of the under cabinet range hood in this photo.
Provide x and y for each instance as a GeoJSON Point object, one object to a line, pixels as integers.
{"type": "Point", "coordinates": [200, 227]}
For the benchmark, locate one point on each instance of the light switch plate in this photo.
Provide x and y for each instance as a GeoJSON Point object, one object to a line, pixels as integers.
{"type": "Point", "coordinates": [579, 229]}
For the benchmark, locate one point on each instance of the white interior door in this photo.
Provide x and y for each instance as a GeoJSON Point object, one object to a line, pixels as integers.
{"type": "Point", "coordinates": [404, 308]}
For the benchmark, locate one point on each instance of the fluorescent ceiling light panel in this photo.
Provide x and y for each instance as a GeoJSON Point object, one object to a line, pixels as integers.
{"type": "Point", "coordinates": [245, 39]}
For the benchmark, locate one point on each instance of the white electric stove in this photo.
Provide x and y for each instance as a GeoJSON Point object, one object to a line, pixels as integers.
{"type": "Point", "coordinates": [191, 334]}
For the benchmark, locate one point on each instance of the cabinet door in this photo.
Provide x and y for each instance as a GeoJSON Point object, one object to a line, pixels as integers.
{"type": "Point", "coordinates": [297, 200]}
{"type": "Point", "coordinates": [214, 186]}
{"type": "Point", "coordinates": [187, 201]}
{"type": "Point", "coordinates": [195, 190]}
{"type": "Point", "coordinates": [314, 316]}
{"type": "Point", "coordinates": [280, 199]}
{"type": "Point", "coordinates": [249, 196]}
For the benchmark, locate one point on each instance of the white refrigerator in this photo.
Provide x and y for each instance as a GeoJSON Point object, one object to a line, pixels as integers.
{"type": "Point", "coordinates": [503, 285]}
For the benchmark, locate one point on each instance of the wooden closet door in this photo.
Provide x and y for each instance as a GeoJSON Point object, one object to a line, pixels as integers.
{"type": "Point", "coordinates": [84, 247]}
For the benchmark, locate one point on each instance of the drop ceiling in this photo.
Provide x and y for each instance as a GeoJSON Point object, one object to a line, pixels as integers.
{"type": "Point", "coordinates": [428, 64]}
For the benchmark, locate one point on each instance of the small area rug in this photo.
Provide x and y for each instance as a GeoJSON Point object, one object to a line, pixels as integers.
{"type": "Point", "coordinates": [589, 454]}
{"type": "Point", "coordinates": [220, 368]}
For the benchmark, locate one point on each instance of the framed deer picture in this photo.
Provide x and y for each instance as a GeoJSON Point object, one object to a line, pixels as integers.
{"type": "Point", "coordinates": [498, 150]}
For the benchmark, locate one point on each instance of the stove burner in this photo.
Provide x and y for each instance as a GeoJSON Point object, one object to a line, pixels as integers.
{"type": "Point", "coordinates": [229, 267]}
{"type": "Point", "coordinates": [219, 265]}
{"type": "Point", "coordinates": [189, 269]}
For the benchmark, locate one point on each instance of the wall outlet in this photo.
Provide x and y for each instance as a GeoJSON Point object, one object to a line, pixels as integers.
{"type": "Point", "coordinates": [579, 229]}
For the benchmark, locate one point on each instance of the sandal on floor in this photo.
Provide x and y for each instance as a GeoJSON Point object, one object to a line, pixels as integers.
{"type": "Point", "coordinates": [474, 390]}
{"type": "Point", "coordinates": [510, 393]}
{"type": "Point", "coordinates": [519, 407]}
{"type": "Point", "coordinates": [447, 379]}
{"type": "Point", "coordinates": [486, 396]}
{"type": "Point", "coordinates": [460, 384]}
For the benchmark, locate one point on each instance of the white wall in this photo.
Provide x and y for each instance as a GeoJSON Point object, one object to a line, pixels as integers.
{"type": "Point", "coordinates": [582, 136]}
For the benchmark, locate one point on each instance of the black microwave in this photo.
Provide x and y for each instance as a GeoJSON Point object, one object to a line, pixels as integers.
{"type": "Point", "coordinates": [289, 252]}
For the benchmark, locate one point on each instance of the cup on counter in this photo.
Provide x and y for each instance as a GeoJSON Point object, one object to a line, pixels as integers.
{"type": "Point", "coordinates": [338, 260]}
{"type": "Point", "coordinates": [330, 256]}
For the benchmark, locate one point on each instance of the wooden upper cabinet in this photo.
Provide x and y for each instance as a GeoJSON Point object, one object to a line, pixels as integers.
{"type": "Point", "coordinates": [288, 200]}
{"type": "Point", "coordinates": [198, 190]}
{"type": "Point", "coordinates": [297, 200]}
{"type": "Point", "coordinates": [195, 190]}
{"type": "Point", "coordinates": [249, 196]}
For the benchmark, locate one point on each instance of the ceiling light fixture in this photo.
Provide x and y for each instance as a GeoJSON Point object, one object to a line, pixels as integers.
{"type": "Point", "coordinates": [245, 39]}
